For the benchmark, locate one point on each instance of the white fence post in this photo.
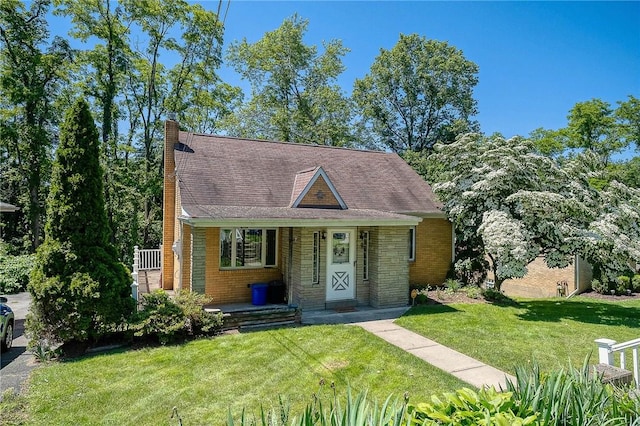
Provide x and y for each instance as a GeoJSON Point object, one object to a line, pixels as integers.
{"type": "Point", "coordinates": [136, 263]}
{"type": "Point", "coordinates": [134, 291]}
{"type": "Point", "coordinates": [605, 354]}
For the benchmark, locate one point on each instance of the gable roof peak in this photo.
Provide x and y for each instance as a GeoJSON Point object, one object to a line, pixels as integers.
{"type": "Point", "coordinates": [315, 177]}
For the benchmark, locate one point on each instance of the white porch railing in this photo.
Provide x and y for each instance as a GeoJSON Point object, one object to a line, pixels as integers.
{"type": "Point", "coordinates": [607, 349]}
{"type": "Point", "coordinates": [144, 260]}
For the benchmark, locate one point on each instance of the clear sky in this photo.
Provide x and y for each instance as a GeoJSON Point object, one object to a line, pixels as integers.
{"type": "Point", "coordinates": [536, 59]}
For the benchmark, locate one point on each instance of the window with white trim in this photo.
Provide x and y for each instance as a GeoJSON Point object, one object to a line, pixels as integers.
{"type": "Point", "coordinates": [315, 273]}
{"type": "Point", "coordinates": [412, 243]}
{"type": "Point", "coordinates": [248, 247]}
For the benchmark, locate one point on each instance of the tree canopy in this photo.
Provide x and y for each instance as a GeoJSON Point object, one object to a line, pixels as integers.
{"type": "Point", "coordinates": [294, 94]}
{"type": "Point", "coordinates": [519, 205]}
{"type": "Point", "coordinates": [418, 93]}
{"type": "Point", "coordinates": [30, 77]}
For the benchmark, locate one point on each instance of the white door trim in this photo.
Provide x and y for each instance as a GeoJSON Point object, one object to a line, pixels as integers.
{"type": "Point", "coordinates": [341, 259]}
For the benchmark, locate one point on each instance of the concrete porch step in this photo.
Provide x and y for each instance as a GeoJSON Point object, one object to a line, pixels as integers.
{"type": "Point", "coordinates": [272, 316]}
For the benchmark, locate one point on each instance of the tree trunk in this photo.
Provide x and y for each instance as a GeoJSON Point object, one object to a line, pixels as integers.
{"type": "Point", "coordinates": [497, 281]}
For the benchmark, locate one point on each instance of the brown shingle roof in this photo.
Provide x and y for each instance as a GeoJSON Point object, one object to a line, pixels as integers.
{"type": "Point", "coordinates": [224, 171]}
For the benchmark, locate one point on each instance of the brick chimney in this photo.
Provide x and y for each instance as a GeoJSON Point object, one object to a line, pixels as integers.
{"type": "Point", "coordinates": [171, 137]}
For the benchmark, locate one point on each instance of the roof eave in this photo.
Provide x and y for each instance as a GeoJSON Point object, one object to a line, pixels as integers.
{"type": "Point", "coordinates": [426, 215]}
{"type": "Point", "coordinates": [204, 222]}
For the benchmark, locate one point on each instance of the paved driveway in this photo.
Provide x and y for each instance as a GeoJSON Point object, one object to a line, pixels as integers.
{"type": "Point", "coordinates": [16, 364]}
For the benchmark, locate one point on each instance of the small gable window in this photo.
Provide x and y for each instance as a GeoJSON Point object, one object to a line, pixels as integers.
{"type": "Point", "coordinates": [247, 248]}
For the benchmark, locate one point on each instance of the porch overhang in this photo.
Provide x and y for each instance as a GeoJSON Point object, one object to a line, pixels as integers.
{"type": "Point", "coordinates": [242, 216]}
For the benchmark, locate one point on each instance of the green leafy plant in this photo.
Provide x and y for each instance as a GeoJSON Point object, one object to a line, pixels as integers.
{"type": "Point", "coordinates": [573, 397]}
{"type": "Point", "coordinates": [42, 350]}
{"type": "Point", "coordinates": [467, 407]}
{"type": "Point", "coordinates": [14, 271]}
{"type": "Point", "coordinates": [623, 283]}
{"type": "Point", "coordinates": [453, 285]}
{"type": "Point", "coordinates": [170, 320]}
{"type": "Point", "coordinates": [198, 321]}
{"type": "Point", "coordinates": [494, 295]}
{"type": "Point", "coordinates": [635, 283]}
{"type": "Point", "coordinates": [355, 410]}
{"type": "Point", "coordinates": [473, 292]}
{"type": "Point", "coordinates": [599, 286]}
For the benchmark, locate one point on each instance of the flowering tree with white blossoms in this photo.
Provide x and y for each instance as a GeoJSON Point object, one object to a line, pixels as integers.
{"type": "Point", "coordinates": [612, 239]}
{"type": "Point", "coordinates": [521, 205]}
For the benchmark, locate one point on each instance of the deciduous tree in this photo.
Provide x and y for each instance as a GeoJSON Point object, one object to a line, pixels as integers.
{"type": "Point", "coordinates": [513, 201]}
{"type": "Point", "coordinates": [32, 66]}
{"type": "Point", "coordinates": [294, 94]}
{"type": "Point", "coordinates": [519, 205]}
{"type": "Point", "coordinates": [418, 93]}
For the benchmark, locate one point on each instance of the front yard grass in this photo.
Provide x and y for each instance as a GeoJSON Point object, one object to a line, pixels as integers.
{"type": "Point", "coordinates": [204, 379]}
{"type": "Point", "coordinates": [552, 332]}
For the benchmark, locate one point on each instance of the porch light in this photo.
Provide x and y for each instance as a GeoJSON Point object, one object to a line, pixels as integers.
{"type": "Point", "coordinates": [324, 235]}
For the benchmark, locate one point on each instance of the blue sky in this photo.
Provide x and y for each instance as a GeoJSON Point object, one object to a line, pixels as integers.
{"type": "Point", "coordinates": [536, 59]}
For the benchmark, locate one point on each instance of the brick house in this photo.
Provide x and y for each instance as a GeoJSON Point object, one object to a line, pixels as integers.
{"type": "Point", "coordinates": [542, 281]}
{"type": "Point", "coordinates": [339, 227]}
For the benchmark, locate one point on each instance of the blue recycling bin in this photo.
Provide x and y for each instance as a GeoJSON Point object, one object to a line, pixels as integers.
{"type": "Point", "coordinates": [259, 294]}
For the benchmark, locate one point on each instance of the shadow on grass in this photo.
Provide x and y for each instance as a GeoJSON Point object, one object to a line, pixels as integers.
{"type": "Point", "coordinates": [592, 312]}
{"type": "Point", "coordinates": [437, 308]}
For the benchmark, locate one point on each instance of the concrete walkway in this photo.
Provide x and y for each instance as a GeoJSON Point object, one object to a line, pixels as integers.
{"type": "Point", "coordinates": [453, 362]}
{"type": "Point", "coordinates": [380, 322]}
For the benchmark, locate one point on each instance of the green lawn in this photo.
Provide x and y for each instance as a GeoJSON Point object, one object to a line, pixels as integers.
{"type": "Point", "coordinates": [550, 331]}
{"type": "Point", "coordinates": [205, 378]}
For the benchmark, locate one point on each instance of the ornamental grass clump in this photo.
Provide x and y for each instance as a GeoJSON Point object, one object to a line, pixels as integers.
{"type": "Point", "coordinates": [573, 397]}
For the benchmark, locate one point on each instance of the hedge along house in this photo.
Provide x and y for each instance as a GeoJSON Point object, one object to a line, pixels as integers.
{"type": "Point", "coordinates": [340, 227]}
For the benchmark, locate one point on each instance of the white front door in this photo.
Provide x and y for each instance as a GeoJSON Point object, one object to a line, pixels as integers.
{"type": "Point", "coordinates": [341, 259]}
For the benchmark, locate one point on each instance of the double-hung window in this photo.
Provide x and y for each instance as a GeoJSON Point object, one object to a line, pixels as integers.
{"type": "Point", "coordinates": [248, 247]}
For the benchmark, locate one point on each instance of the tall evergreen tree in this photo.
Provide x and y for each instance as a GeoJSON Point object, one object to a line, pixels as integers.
{"type": "Point", "coordinates": [80, 291]}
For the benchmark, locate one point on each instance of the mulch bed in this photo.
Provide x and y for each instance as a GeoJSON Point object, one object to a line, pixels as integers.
{"type": "Point", "coordinates": [444, 298]}
{"type": "Point", "coordinates": [615, 298]}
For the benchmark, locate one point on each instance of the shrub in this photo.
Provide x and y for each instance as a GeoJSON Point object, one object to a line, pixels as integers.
{"type": "Point", "coordinates": [623, 283]}
{"type": "Point", "coordinates": [599, 286]}
{"type": "Point", "coordinates": [452, 284]}
{"type": "Point", "coordinates": [168, 320]}
{"type": "Point", "coordinates": [15, 271]}
{"type": "Point", "coordinates": [493, 295]}
{"type": "Point", "coordinates": [198, 321]}
{"type": "Point", "coordinates": [473, 292]}
{"type": "Point", "coordinates": [635, 283]}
